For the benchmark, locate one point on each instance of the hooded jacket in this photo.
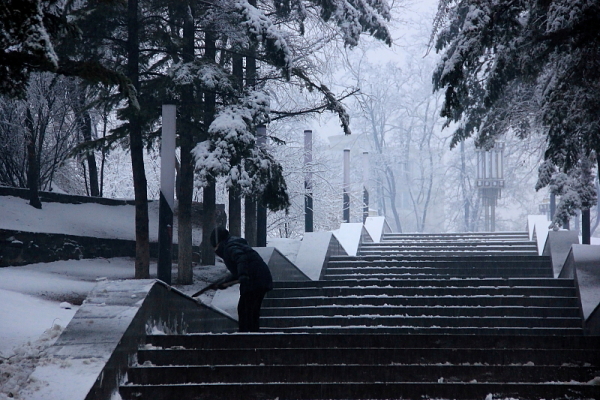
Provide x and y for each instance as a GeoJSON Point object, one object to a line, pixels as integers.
{"type": "Point", "coordinates": [245, 264]}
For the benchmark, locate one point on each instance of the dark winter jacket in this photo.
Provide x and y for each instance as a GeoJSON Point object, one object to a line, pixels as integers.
{"type": "Point", "coordinates": [245, 264]}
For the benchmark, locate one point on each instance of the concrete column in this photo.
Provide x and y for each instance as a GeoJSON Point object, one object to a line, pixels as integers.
{"type": "Point", "coordinates": [493, 216]}
{"type": "Point", "coordinates": [346, 186]}
{"type": "Point", "coordinates": [308, 188]}
{"type": "Point", "coordinates": [585, 227]}
{"type": "Point", "coordinates": [167, 193]}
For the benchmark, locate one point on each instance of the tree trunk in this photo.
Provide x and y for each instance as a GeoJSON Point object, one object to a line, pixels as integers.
{"type": "Point", "coordinates": [249, 202]}
{"type": "Point", "coordinates": [103, 158]}
{"type": "Point", "coordinates": [186, 170]}
{"type": "Point", "coordinates": [209, 196]}
{"type": "Point", "coordinates": [33, 167]}
{"type": "Point", "coordinates": [85, 124]}
{"type": "Point", "coordinates": [209, 222]}
{"type": "Point", "coordinates": [235, 200]}
{"type": "Point", "coordinates": [142, 236]}
{"type": "Point", "coordinates": [381, 198]}
{"type": "Point", "coordinates": [184, 218]}
{"type": "Point", "coordinates": [235, 212]}
{"type": "Point", "coordinates": [393, 194]}
{"type": "Point", "coordinates": [250, 220]}
{"type": "Point", "coordinates": [463, 186]}
{"type": "Point", "coordinates": [427, 135]}
{"type": "Point", "coordinates": [142, 231]}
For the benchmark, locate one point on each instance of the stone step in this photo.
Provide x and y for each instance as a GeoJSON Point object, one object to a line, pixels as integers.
{"type": "Point", "coordinates": [358, 390]}
{"type": "Point", "coordinates": [422, 273]}
{"type": "Point", "coordinates": [459, 271]}
{"type": "Point", "coordinates": [416, 330]}
{"type": "Point", "coordinates": [435, 240]}
{"type": "Point", "coordinates": [437, 282]}
{"type": "Point", "coordinates": [423, 321]}
{"type": "Point", "coordinates": [450, 248]}
{"type": "Point", "coordinates": [441, 258]}
{"type": "Point", "coordinates": [254, 341]}
{"type": "Point", "coordinates": [463, 311]}
{"type": "Point", "coordinates": [450, 244]}
{"type": "Point", "coordinates": [453, 239]}
{"type": "Point", "coordinates": [456, 252]}
{"type": "Point", "coordinates": [368, 356]}
{"type": "Point", "coordinates": [459, 235]}
{"type": "Point", "coordinates": [329, 373]}
{"type": "Point", "coordinates": [431, 290]}
{"type": "Point", "coordinates": [433, 265]}
{"type": "Point", "coordinates": [424, 301]}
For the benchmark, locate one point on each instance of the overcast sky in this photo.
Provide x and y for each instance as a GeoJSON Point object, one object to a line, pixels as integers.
{"type": "Point", "coordinates": [411, 27]}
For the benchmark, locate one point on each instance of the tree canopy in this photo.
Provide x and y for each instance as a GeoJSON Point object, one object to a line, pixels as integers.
{"type": "Point", "coordinates": [524, 66]}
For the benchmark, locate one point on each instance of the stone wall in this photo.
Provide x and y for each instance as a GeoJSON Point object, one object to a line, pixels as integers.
{"type": "Point", "coordinates": [21, 248]}
{"type": "Point", "coordinates": [53, 197]}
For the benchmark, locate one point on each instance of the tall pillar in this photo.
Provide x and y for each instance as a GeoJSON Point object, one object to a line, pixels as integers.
{"type": "Point", "coordinates": [493, 216]}
{"type": "Point", "coordinates": [346, 187]}
{"type": "Point", "coordinates": [167, 193]}
{"type": "Point", "coordinates": [308, 189]}
{"type": "Point", "coordinates": [585, 227]}
{"type": "Point", "coordinates": [261, 210]}
{"type": "Point", "coordinates": [487, 216]}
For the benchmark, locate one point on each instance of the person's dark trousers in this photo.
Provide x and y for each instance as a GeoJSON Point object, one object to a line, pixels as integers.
{"type": "Point", "coordinates": [249, 310]}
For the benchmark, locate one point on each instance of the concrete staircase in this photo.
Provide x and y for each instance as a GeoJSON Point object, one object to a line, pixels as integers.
{"type": "Point", "coordinates": [351, 366]}
{"type": "Point", "coordinates": [473, 316]}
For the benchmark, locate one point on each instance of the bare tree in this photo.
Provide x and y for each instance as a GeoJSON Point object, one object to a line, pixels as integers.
{"type": "Point", "coordinates": [376, 113]}
{"type": "Point", "coordinates": [37, 133]}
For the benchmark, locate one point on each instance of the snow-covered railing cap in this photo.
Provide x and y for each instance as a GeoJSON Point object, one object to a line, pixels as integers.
{"type": "Point", "coordinates": [537, 225]}
{"type": "Point", "coordinates": [350, 236]}
{"type": "Point", "coordinates": [376, 226]}
{"type": "Point", "coordinates": [314, 253]}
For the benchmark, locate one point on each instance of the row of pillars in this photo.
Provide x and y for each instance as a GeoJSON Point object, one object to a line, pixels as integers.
{"type": "Point", "coordinates": [308, 184]}
{"type": "Point", "coordinates": [167, 192]}
{"type": "Point", "coordinates": [256, 235]}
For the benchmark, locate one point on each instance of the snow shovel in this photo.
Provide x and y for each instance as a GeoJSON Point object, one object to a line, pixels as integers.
{"type": "Point", "coordinates": [212, 286]}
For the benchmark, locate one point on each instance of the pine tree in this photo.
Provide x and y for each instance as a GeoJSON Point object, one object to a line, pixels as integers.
{"type": "Point", "coordinates": [516, 66]}
{"type": "Point", "coordinates": [25, 44]}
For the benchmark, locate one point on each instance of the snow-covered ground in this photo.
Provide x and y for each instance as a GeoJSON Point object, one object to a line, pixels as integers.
{"type": "Point", "coordinates": [95, 220]}
{"type": "Point", "coordinates": [35, 306]}
{"type": "Point", "coordinates": [37, 301]}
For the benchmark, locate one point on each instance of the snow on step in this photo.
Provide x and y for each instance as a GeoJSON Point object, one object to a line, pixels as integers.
{"type": "Point", "coordinates": [363, 366]}
{"type": "Point", "coordinates": [434, 290]}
